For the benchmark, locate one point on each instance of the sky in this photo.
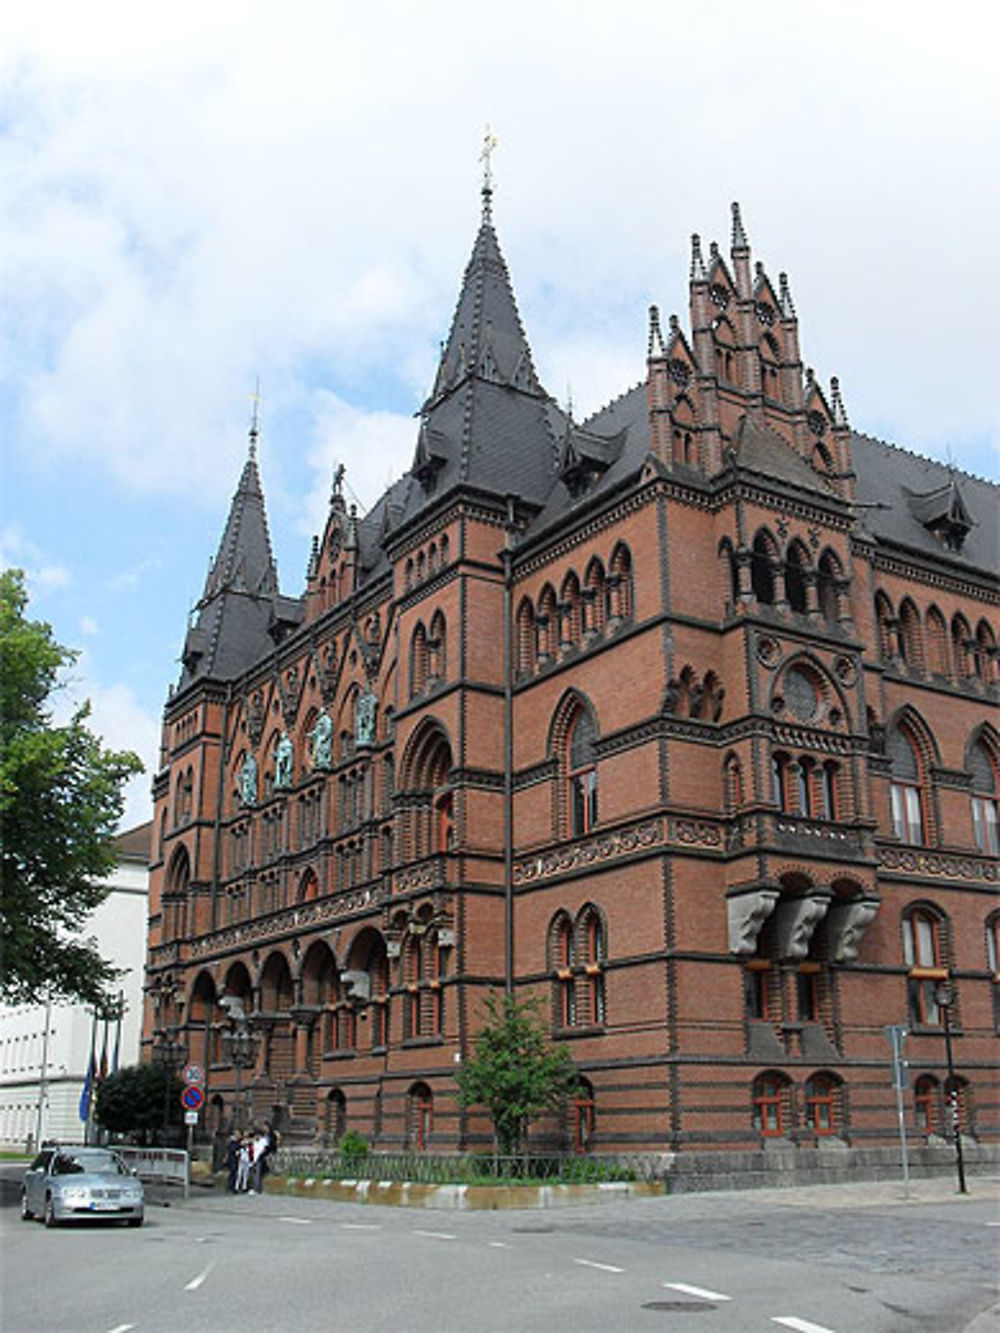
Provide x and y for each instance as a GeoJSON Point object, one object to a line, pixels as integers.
{"type": "Point", "coordinates": [198, 196]}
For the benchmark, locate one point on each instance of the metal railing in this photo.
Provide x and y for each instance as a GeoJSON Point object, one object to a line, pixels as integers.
{"type": "Point", "coordinates": [169, 1166]}
{"type": "Point", "coordinates": [471, 1168]}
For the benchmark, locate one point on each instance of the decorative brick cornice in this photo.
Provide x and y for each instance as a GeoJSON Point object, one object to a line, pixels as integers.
{"type": "Point", "coordinates": [304, 916]}
{"type": "Point", "coordinates": [979, 586]}
{"type": "Point", "coordinates": [662, 831]}
{"type": "Point", "coordinates": [943, 865]}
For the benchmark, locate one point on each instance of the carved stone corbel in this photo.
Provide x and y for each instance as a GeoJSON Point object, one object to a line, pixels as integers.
{"type": "Point", "coordinates": [748, 910]}
{"type": "Point", "coordinates": [796, 921]}
{"type": "Point", "coordinates": [846, 926]}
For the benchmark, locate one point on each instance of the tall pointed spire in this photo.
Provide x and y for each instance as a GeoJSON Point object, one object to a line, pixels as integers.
{"type": "Point", "coordinates": [698, 273]}
{"type": "Point", "coordinates": [241, 585]}
{"type": "Point", "coordinates": [740, 241]}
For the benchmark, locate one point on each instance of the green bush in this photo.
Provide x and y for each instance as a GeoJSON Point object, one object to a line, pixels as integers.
{"type": "Point", "coordinates": [353, 1146]}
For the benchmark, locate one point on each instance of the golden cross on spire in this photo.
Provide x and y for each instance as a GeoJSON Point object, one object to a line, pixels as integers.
{"type": "Point", "coordinates": [490, 142]}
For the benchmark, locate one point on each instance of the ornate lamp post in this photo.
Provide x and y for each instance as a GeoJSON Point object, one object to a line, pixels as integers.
{"type": "Point", "coordinates": [945, 997]}
{"type": "Point", "coordinates": [240, 1045]}
{"type": "Point", "coordinates": [170, 1054]}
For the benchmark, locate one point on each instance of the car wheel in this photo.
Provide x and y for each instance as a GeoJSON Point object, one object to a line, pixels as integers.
{"type": "Point", "coordinates": [135, 1221]}
{"type": "Point", "coordinates": [26, 1213]}
{"type": "Point", "coordinates": [50, 1213]}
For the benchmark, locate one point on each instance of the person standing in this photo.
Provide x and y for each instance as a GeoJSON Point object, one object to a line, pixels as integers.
{"type": "Point", "coordinates": [232, 1160]}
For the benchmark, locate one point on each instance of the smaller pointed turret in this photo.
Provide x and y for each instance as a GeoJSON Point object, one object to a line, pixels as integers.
{"type": "Point", "coordinates": [837, 403]}
{"type": "Point", "coordinates": [655, 347]}
{"type": "Point", "coordinates": [698, 273]}
{"type": "Point", "coordinates": [740, 252]}
{"type": "Point", "coordinates": [787, 304]}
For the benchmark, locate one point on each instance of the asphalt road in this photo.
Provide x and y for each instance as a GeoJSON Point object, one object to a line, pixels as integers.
{"type": "Point", "coordinates": [808, 1261]}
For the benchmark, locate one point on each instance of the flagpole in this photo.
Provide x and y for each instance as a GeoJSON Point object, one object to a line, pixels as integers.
{"type": "Point", "coordinates": [88, 1082]}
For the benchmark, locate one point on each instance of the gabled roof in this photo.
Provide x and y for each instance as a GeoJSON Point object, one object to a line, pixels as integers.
{"type": "Point", "coordinates": [759, 448]}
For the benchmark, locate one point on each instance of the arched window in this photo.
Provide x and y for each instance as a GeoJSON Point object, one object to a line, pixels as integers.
{"type": "Point", "coordinates": [827, 577]}
{"type": "Point", "coordinates": [732, 782]}
{"type": "Point", "coordinates": [822, 1109]}
{"type": "Point", "coordinates": [961, 645]}
{"type": "Point", "coordinates": [923, 953]}
{"type": "Point", "coordinates": [525, 638]}
{"type": "Point", "coordinates": [984, 652]}
{"type": "Point", "coordinates": [621, 594]}
{"type": "Point", "coordinates": [937, 644]}
{"type": "Point", "coordinates": [761, 570]}
{"type": "Point", "coordinates": [885, 623]}
{"type": "Point", "coordinates": [437, 657]}
{"type": "Point", "coordinates": [911, 637]}
{"type": "Point", "coordinates": [983, 768]}
{"type": "Point", "coordinates": [804, 783]}
{"type": "Point", "coordinates": [581, 773]}
{"type": "Point", "coordinates": [594, 594]}
{"type": "Point", "coordinates": [780, 765]}
{"type": "Point", "coordinates": [584, 1116]}
{"type": "Point", "coordinates": [906, 786]}
{"type": "Point", "coordinates": [795, 578]}
{"type": "Point", "coordinates": [562, 958]}
{"type": "Point", "coordinates": [593, 948]}
{"type": "Point", "coordinates": [770, 1109]}
{"type": "Point", "coordinates": [418, 661]}
{"type": "Point", "coordinates": [546, 623]}
{"type": "Point", "coordinates": [419, 1116]}
{"type": "Point", "coordinates": [828, 776]}
{"type": "Point", "coordinates": [927, 1104]}
{"type": "Point", "coordinates": [570, 629]}
{"type": "Point", "coordinates": [335, 1116]}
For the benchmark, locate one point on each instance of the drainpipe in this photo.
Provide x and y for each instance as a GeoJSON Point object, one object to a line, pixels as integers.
{"type": "Point", "coordinates": [508, 755]}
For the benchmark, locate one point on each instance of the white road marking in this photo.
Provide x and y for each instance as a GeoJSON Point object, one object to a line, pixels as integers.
{"type": "Point", "coordinates": [361, 1226]}
{"type": "Point", "coordinates": [196, 1282]}
{"type": "Point", "coordinates": [799, 1325]}
{"type": "Point", "coordinates": [701, 1292]}
{"type": "Point", "coordinates": [605, 1268]}
{"type": "Point", "coordinates": [297, 1221]}
{"type": "Point", "coordinates": [499, 1245]}
{"type": "Point", "coordinates": [122, 1328]}
{"type": "Point", "coordinates": [436, 1235]}
{"type": "Point", "coordinates": [993, 1224]}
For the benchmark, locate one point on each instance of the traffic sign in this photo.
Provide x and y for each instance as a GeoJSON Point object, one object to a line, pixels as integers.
{"type": "Point", "coordinates": [194, 1074]}
{"type": "Point", "coordinates": [190, 1117]}
{"type": "Point", "coordinates": [192, 1098]}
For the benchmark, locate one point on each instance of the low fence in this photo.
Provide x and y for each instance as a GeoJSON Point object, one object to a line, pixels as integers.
{"type": "Point", "coordinates": [168, 1166]}
{"type": "Point", "coordinates": [469, 1168]}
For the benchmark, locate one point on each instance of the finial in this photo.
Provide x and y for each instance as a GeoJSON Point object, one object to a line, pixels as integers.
{"type": "Point", "coordinates": [655, 346]}
{"type": "Point", "coordinates": [490, 142]}
{"type": "Point", "coordinates": [713, 250]}
{"type": "Point", "coordinates": [787, 305]}
{"type": "Point", "coordinates": [698, 273]}
{"type": "Point", "coordinates": [740, 241]}
{"type": "Point", "coordinates": [810, 377]}
{"type": "Point", "coordinates": [255, 419]}
{"type": "Point", "coordinates": [569, 402]}
{"type": "Point", "coordinates": [839, 411]}
{"type": "Point", "coordinates": [758, 268]}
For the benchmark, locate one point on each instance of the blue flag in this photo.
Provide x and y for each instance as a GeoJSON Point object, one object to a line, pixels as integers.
{"type": "Point", "coordinates": [85, 1094]}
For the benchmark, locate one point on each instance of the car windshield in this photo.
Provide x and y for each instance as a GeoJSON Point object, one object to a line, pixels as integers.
{"type": "Point", "coordinates": [95, 1161]}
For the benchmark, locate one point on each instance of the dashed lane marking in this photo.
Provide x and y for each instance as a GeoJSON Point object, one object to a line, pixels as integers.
{"type": "Point", "coordinates": [605, 1268]}
{"type": "Point", "coordinates": [701, 1292]}
{"type": "Point", "coordinates": [122, 1328]}
{"type": "Point", "coordinates": [361, 1226]}
{"type": "Point", "coordinates": [799, 1325]}
{"type": "Point", "coordinates": [297, 1221]}
{"type": "Point", "coordinates": [499, 1245]}
{"type": "Point", "coordinates": [436, 1235]}
{"type": "Point", "coordinates": [196, 1282]}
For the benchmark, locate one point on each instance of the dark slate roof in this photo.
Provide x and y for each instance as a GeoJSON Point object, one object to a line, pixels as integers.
{"type": "Point", "coordinates": [237, 607]}
{"type": "Point", "coordinates": [908, 486]}
{"type": "Point", "coordinates": [486, 422]}
{"type": "Point", "coordinates": [759, 448]}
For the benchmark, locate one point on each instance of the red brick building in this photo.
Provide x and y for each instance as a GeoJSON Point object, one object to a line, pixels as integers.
{"type": "Point", "coordinates": [682, 718]}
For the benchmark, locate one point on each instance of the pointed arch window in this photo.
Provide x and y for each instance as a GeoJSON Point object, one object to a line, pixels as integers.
{"type": "Point", "coordinates": [584, 1116]}
{"type": "Point", "coordinates": [581, 772]}
{"type": "Point", "coordinates": [563, 957]}
{"type": "Point", "coordinates": [418, 661]}
{"type": "Point", "coordinates": [525, 638]}
{"type": "Point", "coordinates": [546, 623]}
{"type": "Point", "coordinates": [937, 644]}
{"type": "Point", "coordinates": [621, 594]}
{"type": "Point", "coordinates": [961, 644]}
{"type": "Point", "coordinates": [906, 787]}
{"type": "Point", "coordinates": [594, 957]}
{"type": "Point", "coordinates": [984, 799]}
{"type": "Point", "coordinates": [420, 1116]}
{"type": "Point", "coordinates": [795, 580]}
{"type": "Point", "coordinates": [827, 576]}
{"type": "Point", "coordinates": [911, 636]}
{"type": "Point", "coordinates": [437, 658]}
{"type": "Point", "coordinates": [762, 571]}
{"type": "Point", "coordinates": [923, 953]}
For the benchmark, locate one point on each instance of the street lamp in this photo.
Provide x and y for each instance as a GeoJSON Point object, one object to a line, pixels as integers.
{"type": "Point", "coordinates": [945, 997]}
{"type": "Point", "coordinates": [170, 1054]}
{"type": "Point", "coordinates": [240, 1045]}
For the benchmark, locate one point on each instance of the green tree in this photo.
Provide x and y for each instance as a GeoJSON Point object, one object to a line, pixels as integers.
{"type": "Point", "coordinates": [135, 1100]}
{"type": "Point", "coordinates": [60, 800]}
{"type": "Point", "coordinates": [516, 1071]}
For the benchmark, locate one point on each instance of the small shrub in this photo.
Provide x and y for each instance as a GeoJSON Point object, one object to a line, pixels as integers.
{"type": "Point", "coordinates": [353, 1146]}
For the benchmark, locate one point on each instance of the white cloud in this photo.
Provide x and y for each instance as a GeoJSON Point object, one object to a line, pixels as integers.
{"type": "Point", "coordinates": [19, 551]}
{"type": "Point", "coordinates": [89, 626]}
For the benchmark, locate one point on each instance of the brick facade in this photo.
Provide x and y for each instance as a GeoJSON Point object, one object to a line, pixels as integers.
{"type": "Point", "coordinates": [682, 719]}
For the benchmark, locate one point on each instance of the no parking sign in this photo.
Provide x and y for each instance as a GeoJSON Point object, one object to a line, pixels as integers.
{"type": "Point", "coordinates": [192, 1098]}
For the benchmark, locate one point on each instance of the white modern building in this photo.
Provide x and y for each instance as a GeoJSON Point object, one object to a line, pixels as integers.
{"type": "Point", "coordinates": [45, 1050]}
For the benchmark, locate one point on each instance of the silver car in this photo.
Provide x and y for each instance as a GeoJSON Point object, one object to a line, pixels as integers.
{"type": "Point", "coordinates": [66, 1184]}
